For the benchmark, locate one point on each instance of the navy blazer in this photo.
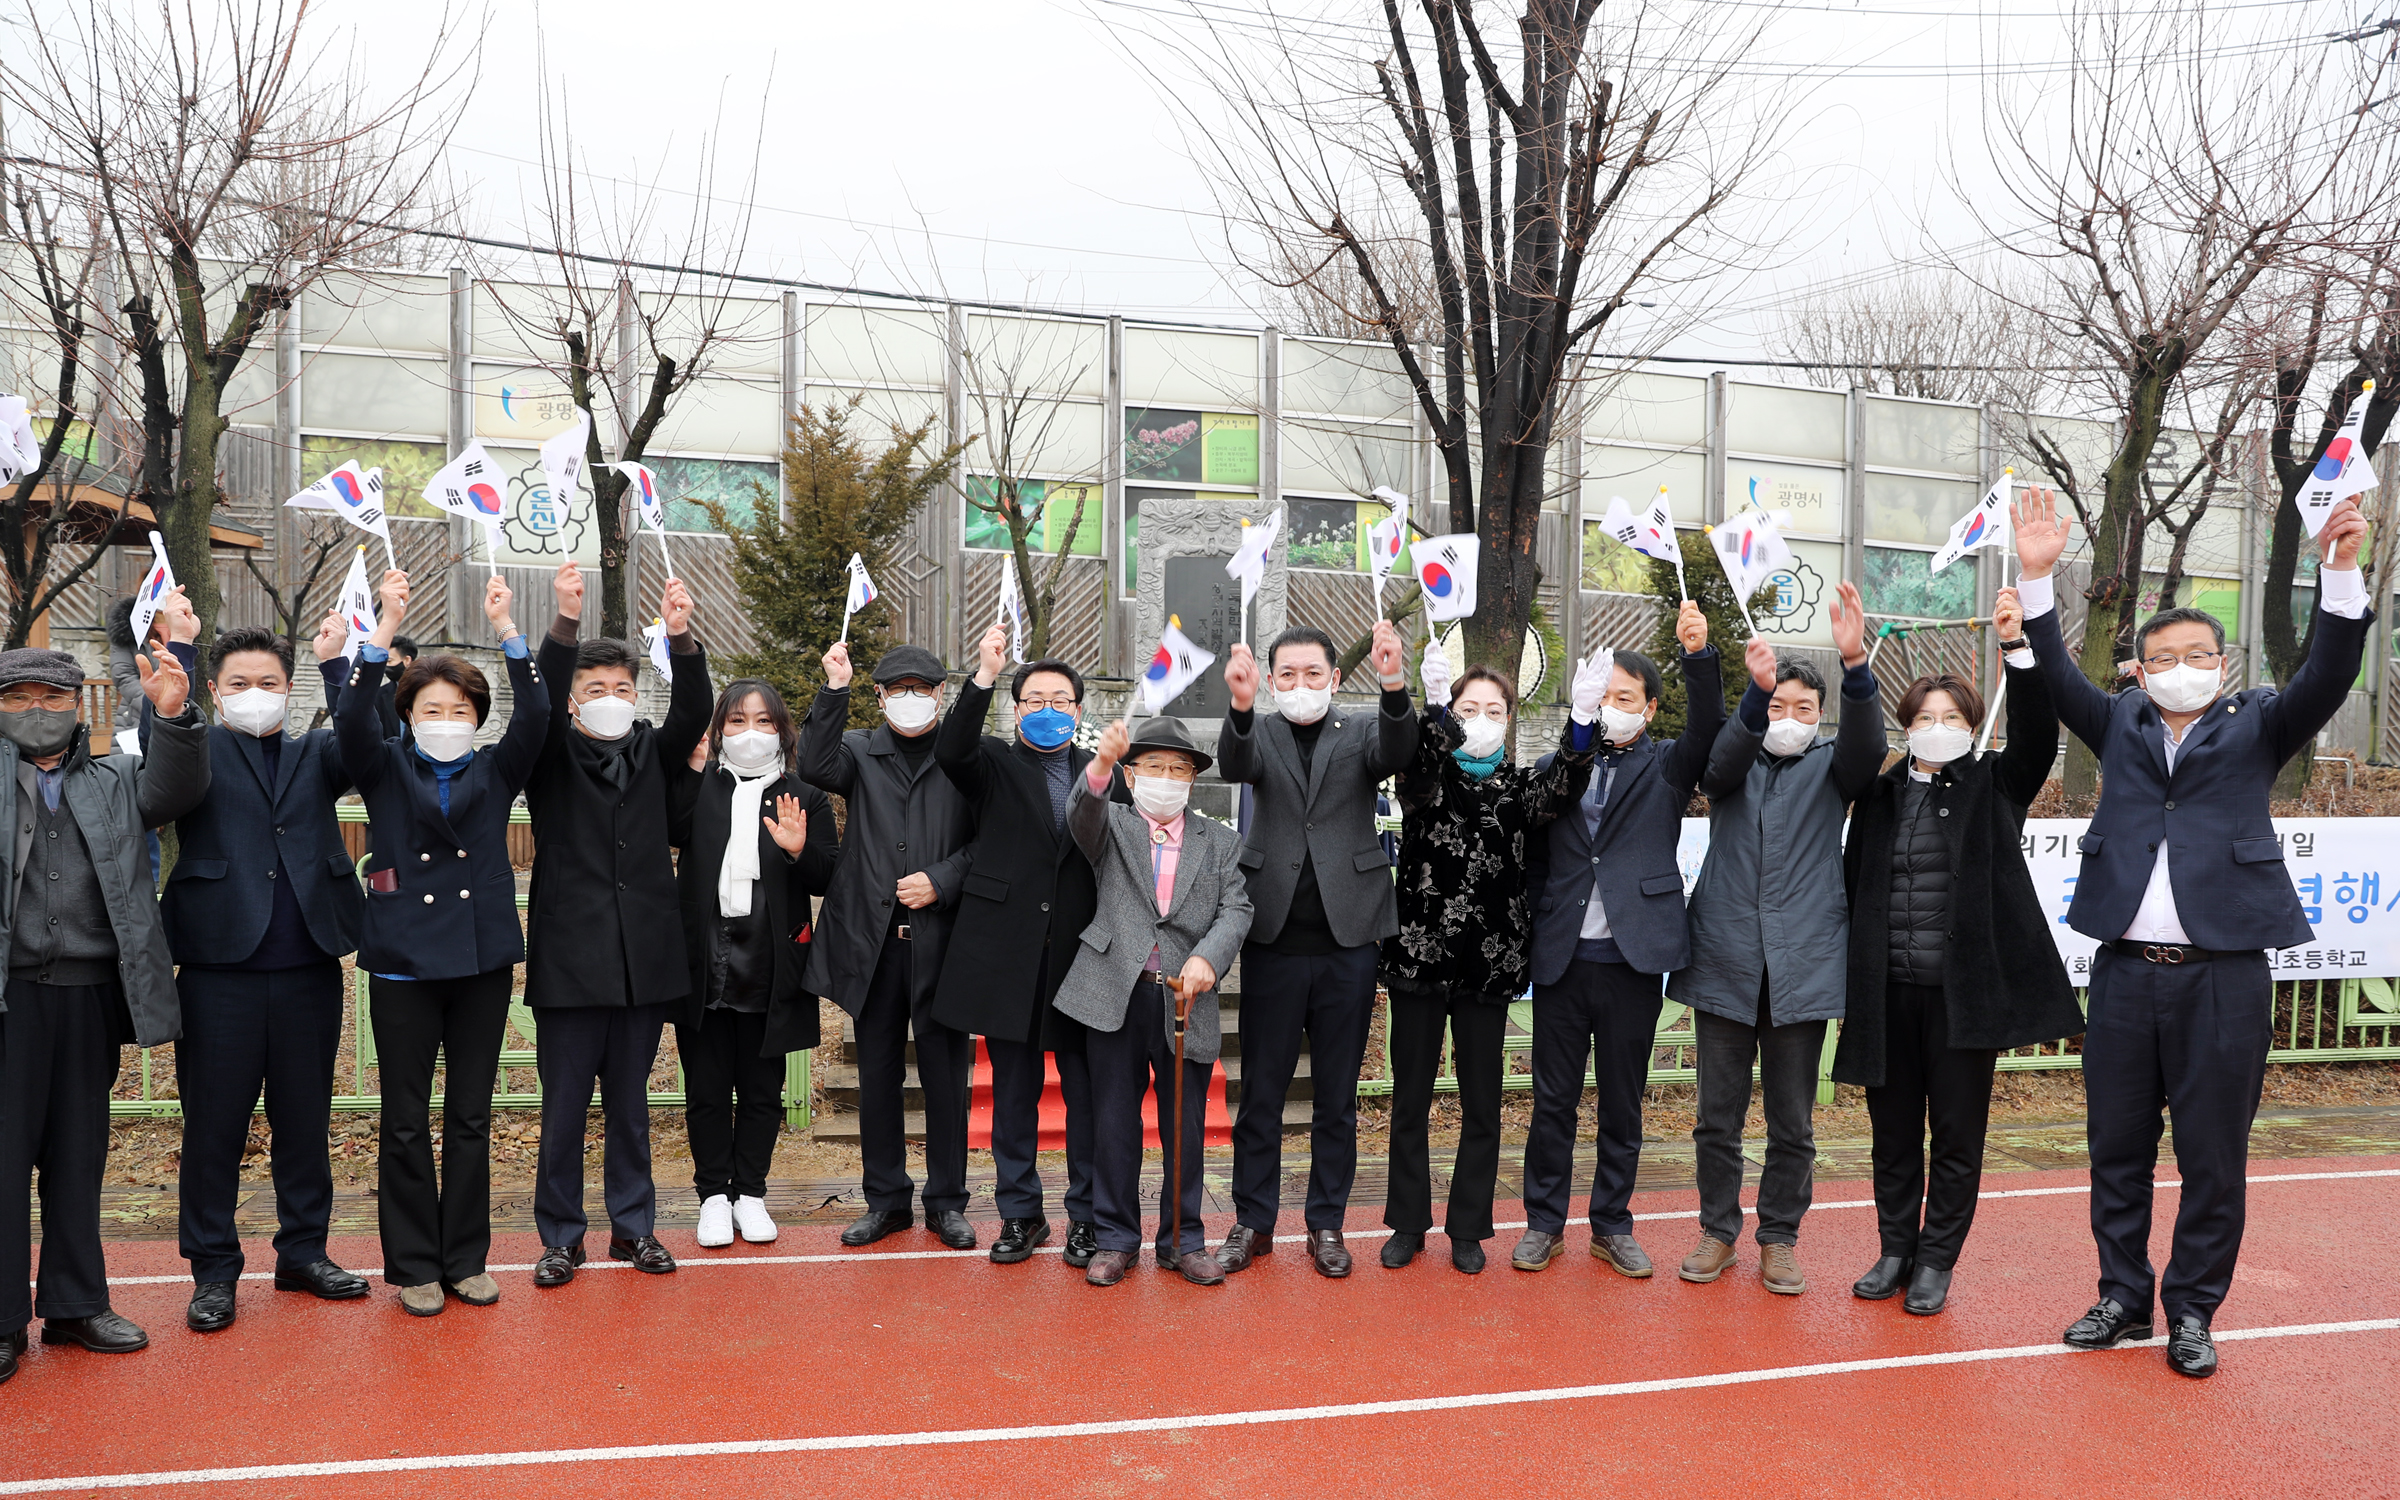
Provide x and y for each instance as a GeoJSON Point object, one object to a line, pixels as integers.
{"type": "Point", "coordinates": [452, 911]}
{"type": "Point", "coordinates": [1633, 856]}
{"type": "Point", "coordinates": [2231, 889]}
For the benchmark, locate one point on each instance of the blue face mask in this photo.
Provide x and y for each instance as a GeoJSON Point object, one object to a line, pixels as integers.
{"type": "Point", "coordinates": [1046, 728]}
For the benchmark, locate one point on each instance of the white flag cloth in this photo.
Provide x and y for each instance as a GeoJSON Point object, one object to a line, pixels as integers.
{"type": "Point", "coordinates": [1446, 571]}
{"type": "Point", "coordinates": [862, 588]}
{"type": "Point", "coordinates": [1651, 533]}
{"type": "Point", "coordinates": [1751, 549]}
{"type": "Point", "coordinates": [654, 635]}
{"type": "Point", "coordinates": [357, 605]}
{"type": "Point", "coordinates": [471, 485]}
{"type": "Point", "coordinates": [1249, 560]}
{"type": "Point", "coordinates": [1012, 607]}
{"type": "Point", "coordinates": [1984, 526]}
{"type": "Point", "coordinates": [645, 494]}
{"type": "Point", "coordinates": [1386, 537]}
{"type": "Point", "coordinates": [562, 460]}
{"type": "Point", "coordinates": [20, 449]}
{"type": "Point", "coordinates": [2342, 472]}
{"type": "Point", "coordinates": [354, 494]}
{"type": "Point", "coordinates": [156, 585]}
{"type": "Point", "coordinates": [1173, 666]}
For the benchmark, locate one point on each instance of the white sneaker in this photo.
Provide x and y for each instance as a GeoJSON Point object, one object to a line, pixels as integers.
{"type": "Point", "coordinates": [716, 1222]}
{"type": "Point", "coordinates": [751, 1215]}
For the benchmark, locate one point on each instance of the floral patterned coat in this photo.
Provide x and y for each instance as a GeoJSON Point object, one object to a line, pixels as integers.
{"type": "Point", "coordinates": [1466, 918]}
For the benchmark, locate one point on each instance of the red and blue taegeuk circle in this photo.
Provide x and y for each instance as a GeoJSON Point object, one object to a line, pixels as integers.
{"type": "Point", "coordinates": [2336, 459]}
{"type": "Point", "coordinates": [1437, 580]}
{"type": "Point", "coordinates": [1160, 665]}
{"type": "Point", "coordinates": [1974, 531]}
{"type": "Point", "coordinates": [485, 499]}
{"type": "Point", "coordinates": [346, 486]}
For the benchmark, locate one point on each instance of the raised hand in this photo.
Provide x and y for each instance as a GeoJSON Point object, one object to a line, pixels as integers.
{"type": "Point", "coordinates": [1849, 620]}
{"type": "Point", "coordinates": [837, 665]}
{"type": "Point", "coordinates": [1759, 657]}
{"type": "Point", "coordinates": [498, 597]}
{"type": "Point", "coordinates": [332, 632]}
{"type": "Point", "coordinates": [392, 591]}
{"type": "Point", "coordinates": [1386, 653]}
{"type": "Point", "coordinates": [1115, 740]}
{"type": "Point", "coordinates": [789, 826]}
{"type": "Point", "coordinates": [991, 654]}
{"type": "Point", "coordinates": [176, 620]}
{"type": "Point", "coordinates": [2008, 617]}
{"type": "Point", "coordinates": [2040, 530]}
{"type": "Point", "coordinates": [1591, 684]}
{"type": "Point", "coordinates": [675, 607]}
{"type": "Point", "coordinates": [165, 684]}
{"type": "Point", "coordinates": [1241, 676]}
{"type": "Point", "coordinates": [1691, 628]}
{"type": "Point", "coordinates": [2338, 543]}
{"type": "Point", "coordinates": [566, 586]}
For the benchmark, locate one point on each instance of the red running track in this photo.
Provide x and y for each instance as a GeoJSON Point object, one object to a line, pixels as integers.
{"type": "Point", "coordinates": [798, 1368]}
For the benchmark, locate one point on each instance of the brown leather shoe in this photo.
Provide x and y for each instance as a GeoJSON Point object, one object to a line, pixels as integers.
{"type": "Point", "coordinates": [646, 1253]}
{"type": "Point", "coordinates": [1199, 1268]}
{"type": "Point", "coordinates": [1536, 1250]}
{"type": "Point", "coordinates": [1244, 1245]}
{"type": "Point", "coordinates": [1707, 1261]}
{"type": "Point", "coordinates": [1325, 1251]}
{"type": "Point", "coordinates": [1624, 1254]}
{"type": "Point", "coordinates": [1779, 1270]}
{"type": "Point", "coordinates": [1108, 1267]}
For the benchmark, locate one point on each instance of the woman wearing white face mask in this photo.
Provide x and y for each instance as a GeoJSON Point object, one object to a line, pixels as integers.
{"type": "Point", "coordinates": [1950, 960]}
{"type": "Point", "coordinates": [1468, 822]}
{"type": "Point", "coordinates": [441, 938]}
{"type": "Point", "coordinates": [757, 842]}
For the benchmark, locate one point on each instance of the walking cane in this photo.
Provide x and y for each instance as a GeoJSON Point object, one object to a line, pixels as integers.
{"type": "Point", "coordinates": [1175, 1235]}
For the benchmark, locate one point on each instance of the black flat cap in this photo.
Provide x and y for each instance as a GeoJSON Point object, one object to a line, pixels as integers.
{"type": "Point", "coordinates": [909, 661]}
{"type": "Point", "coordinates": [1166, 733]}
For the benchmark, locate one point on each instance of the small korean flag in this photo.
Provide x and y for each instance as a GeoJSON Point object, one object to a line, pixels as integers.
{"type": "Point", "coordinates": [1173, 667]}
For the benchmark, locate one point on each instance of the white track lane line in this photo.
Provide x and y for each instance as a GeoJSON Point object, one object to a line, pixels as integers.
{"type": "Point", "coordinates": [871, 1441]}
{"type": "Point", "coordinates": [848, 1257]}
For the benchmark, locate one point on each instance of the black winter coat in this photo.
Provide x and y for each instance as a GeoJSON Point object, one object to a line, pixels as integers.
{"type": "Point", "coordinates": [1028, 891]}
{"type": "Point", "coordinates": [702, 803]}
{"type": "Point", "coordinates": [603, 879]}
{"type": "Point", "coordinates": [2002, 982]}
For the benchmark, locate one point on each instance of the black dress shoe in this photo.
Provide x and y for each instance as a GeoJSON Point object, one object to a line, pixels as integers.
{"type": "Point", "coordinates": [212, 1307]}
{"type": "Point", "coordinates": [874, 1224]}
{"type": "Point", "coordinates": [1401, 1248]}
{"type": "Point", "coordinates": [2190, 1350]}
{"type": "Point", "coordinates": [1328, 1254]}
{"type": "Point", "coordinates": [2107, 1325]}
{"type": "Point", "coordinates": [102, 1333]}
{"type": "Point", "coordinates": [952, 1228]}
{"type": "Point", "coordinates": [1883, 1280]}
{"type": "Point", "coordinates": [12, 1346]}
{"type": "Point", "coordinates": [647, 1254]}
{"type": "Point", "coordinates": [1083, 1242]}
{"type": "Point", "coordinates": [1467, 1256]}
{"type": "Point", "coordinates": [1018, 1237]}
{"type": "Point", "coordinates": [321, 1278]}
{"type": "Point", "coordinates": [1244, 1245]}
{"type": "Point", "coordinates": [557, 1264]}
{"type": "Point", "coordinates": [1928, 1290]}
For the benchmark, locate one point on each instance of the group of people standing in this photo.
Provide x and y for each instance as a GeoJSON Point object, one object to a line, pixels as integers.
{"type": "Point", "coordinates": [1066, 905]}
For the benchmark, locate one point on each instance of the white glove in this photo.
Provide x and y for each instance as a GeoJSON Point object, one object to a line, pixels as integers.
{"type": "Point", "coordinates": [1591, 684]}
{"type": "Point", "coordinates": [1435, 672]}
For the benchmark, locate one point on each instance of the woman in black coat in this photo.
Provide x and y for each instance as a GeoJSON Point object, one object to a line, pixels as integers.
{"type": "Point", "coordinates": [756, 843]}
{"type": "Point", "coordinates": [440, 939]}
{"type": "Point", "coordinates": [1951, 957]}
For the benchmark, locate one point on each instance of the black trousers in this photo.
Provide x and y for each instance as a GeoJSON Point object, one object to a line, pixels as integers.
{"type": "Point", "coordinates": [59, 1048]}
{"type": "Point", "coordinates": [1476, 1028]}
{"type": "Point", "coordinates": [1927, 1081]}
{"type": "Point", "coordinates": [244, 1032]}
{"type": "Point", "coordinates": [1608, 1011]}
{"type": "Point", "coordinates": [945, 1074]}
{"type": "Point", "coordinates": [616, 1046]}
{"type": "Point", "coordinates": [436, 1229]}
{"type": "Point", "coordinates": [1331, 998]}
{"type": "Point", "coordinates": [1018, 1076]}
{"type": "Point", "coordinates": [1135, 1059]}
{"type": "Point", "coordinates": [732, 1102]}
{"type": "Point", "coordinates": [1787, 1059]}
{"type": "Point", "coordinates": [2192, 1038]}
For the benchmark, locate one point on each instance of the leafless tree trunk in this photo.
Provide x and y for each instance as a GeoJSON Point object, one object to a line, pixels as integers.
{"type": "Point", "coordinates": [1012, 382]}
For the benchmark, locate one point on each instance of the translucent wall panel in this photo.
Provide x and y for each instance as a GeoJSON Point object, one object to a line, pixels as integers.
{"type": "Point", "coordinates": [720, 416]}
{"type": "Point", "coordinates": [1671, 409]}
{"type": "Point", "coordinates": [363, 393]}
{"type": "Point", "coordinates": [1176, 367]}
{"type": "Point", "coordinates": [1350, 459]}
{"type": "Point", "coordinates": [405, 314]}
{"type": "Point", "coordinates": [1055, 356]}
{"type": "Point", "coordinates": [249, 397]}
{"type": "Point", "coordinates": [876, 344]}
{"type": "Point", "coordinates": [1798, 614]}
{"type": "Point", "coordinates": [1919, 435]}
{"type": "Point", "coordinates": [1902, 508]}
{"type": "Point", "coordinates": [2216, 545]}
{"type": "Point", "coordinates": [740, 488]}
{"type": "Point", "coordinates": [1785, 420]}
{"type": "Point", "coordinates": [521, 403]}
{"type": "Point", "coordinates": [1352, 380]}
{"type": "Point", "coordinates": [513, 321]}
{"type": "Point", "coordinates": [1636, 474]}
{"type": "Point", "coordinates": [29, 368]}
{"type": "Point", "coordinates": [1811, 496]}
{"type": "Point", "coordinates": [878, 411]}
{"type": "Point", "coordinates": [747, 336]}
{"type": "Point", "coordinates": [1901, 582]}
{"type": "Point", "coordinates": [1061, 438]}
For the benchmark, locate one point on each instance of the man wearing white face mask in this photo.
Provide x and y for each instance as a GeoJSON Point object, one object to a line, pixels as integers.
{"type": "Point", "coordinates": [604, 965]}
{"type": "Point", "coordinates": [260, 907]}
{"type": "Point", "coordinates": [2184, 886]}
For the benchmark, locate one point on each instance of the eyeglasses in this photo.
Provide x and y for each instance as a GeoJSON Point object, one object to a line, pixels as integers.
{"type": "Point", "coordinates": [1168, 767]}
{"type": "Point", "coordinates": [2167, 661]}
{"type": "Point", "coordinates": [17, 700]}
{"type": "Point", "coordinates": [1033, 701]}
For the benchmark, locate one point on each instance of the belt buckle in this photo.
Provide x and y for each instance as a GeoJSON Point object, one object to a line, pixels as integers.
{"type": "Point", "coordinates": [901, 932]}
{"type": "Point", "coordinates": [2163, 953]}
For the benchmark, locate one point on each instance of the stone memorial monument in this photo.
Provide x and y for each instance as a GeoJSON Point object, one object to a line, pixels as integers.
{"type": "Point", "coordinates": [1184, 546]}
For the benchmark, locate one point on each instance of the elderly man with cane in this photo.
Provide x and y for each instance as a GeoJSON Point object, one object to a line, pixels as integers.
{"type": "Point", "coordinates": [1173, 911]}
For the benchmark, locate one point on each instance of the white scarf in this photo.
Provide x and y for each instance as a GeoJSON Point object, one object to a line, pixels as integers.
{"type": "Point", "coordinates": [738, 871]}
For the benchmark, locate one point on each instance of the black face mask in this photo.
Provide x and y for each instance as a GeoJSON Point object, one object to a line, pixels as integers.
{"type": "Point", "coordinates": [39, 732]}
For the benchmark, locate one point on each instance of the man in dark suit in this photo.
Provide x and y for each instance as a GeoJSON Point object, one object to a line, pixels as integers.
{"type": "Point", "coordinates": [879, 944]}
{"type": "Point", "coordinates": [1027, 895]}
{"type": "Point", "coordinates": [261, 905]}
{"type": "Point", "coordinates": [1608, 922]}
{"type": "Point", "coordinates": [2183, 884]}
{"type": "Point", "coordinates": [1321, 890]}
{"type": "Point", "coordinates": [604, 956]}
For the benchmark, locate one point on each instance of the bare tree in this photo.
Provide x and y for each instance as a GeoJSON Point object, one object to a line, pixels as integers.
{"type": "Point", "coordinates": [229, 160]}
{"type": "Point", "coordinates": [1928, 334]}
{"type": "Point", "coordinates": [320, 538]}
{"type": "Point", "coordinates": [1014, 376]}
